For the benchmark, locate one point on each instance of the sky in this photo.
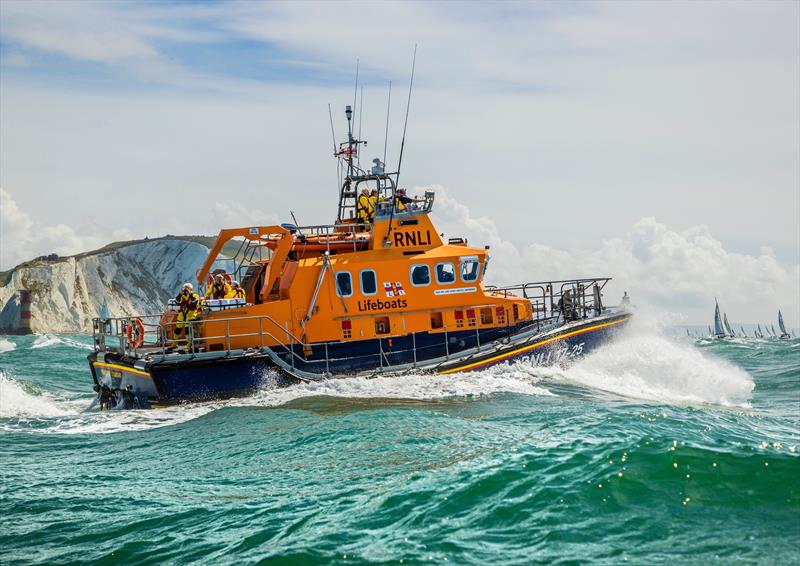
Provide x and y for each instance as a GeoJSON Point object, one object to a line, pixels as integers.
{"type": "Point", "coordinates": [654, 142]}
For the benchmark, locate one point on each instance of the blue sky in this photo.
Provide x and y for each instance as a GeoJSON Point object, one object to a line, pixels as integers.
{"type": "Point", "coordinates": [563, 125]}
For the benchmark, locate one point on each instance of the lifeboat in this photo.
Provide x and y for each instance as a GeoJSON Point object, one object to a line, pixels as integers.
{"type": "Point", "coordinates": [373, 293]}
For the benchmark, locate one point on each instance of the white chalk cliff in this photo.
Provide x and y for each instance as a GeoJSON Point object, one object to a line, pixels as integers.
{"type": "Point", "coordinates": [135, 278]}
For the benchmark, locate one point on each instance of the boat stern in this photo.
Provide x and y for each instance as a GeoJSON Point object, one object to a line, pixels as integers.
{"type": "Point", "coordinates": [120, 384]}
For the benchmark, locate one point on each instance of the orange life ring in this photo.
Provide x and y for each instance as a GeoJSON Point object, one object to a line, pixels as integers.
{"type": "Point", "coordinates": [135, 332]}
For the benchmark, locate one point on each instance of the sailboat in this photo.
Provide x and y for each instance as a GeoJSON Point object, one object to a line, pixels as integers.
{"type": "Point", "coordinates": [727, 325]}
{"type": "Point", "coordinates": [784, 335]}
{"type": "Point", "coordinates": [741, 329]}
{"type": "Point", "coordinates": [775, 334]}
{"type": "Point", "coordinates": [709, 331]}
{"type": "Point", "coordinates": [759, 333]}
{"type": "Point", "coordinates": [719, 329]}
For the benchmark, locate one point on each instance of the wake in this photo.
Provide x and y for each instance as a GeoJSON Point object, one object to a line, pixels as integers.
{"type": "Point", "coordinates": [640, 364]}
{"type": "Point", "coordinates": [643, 364]}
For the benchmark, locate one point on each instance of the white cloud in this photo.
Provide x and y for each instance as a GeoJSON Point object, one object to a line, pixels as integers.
{"type": "Point", "coordinates": [562, 122]}
{"type": "Point", "coordinates": [22, 239]}
{"type": "Point", "coordinates": [236, 214]}
{"type": "Point", "coordinates": [678, 271]}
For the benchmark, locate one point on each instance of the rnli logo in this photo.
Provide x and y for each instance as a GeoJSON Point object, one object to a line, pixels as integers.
{"type": "Point", "coordinates": [412, 238]}
{"type": "Point", "coordinates": [393, 289]}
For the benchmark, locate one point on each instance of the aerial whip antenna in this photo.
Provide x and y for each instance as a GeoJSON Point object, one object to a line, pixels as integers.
{"type": "Point", "coordinates": [386, 132]}
{"type": "Point", "coordinates": [355, 92]}
{"type": "Point", "coordinates": [386, 241]}
{"type": "Point", "coordinates": [333, 134]}
{"type": "Point", "coordinates": [360, 116]}
{"type": "Point", "coordinates": [408, 107]}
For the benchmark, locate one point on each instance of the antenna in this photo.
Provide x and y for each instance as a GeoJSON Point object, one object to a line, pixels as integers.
{"type": "Point", "coordinates": [386, 134]}
{"type": "Point", "coordinates": [355, 93]}
{"type": "Point", "coordinates": [333, 135]}
{"type": "Point", "coordinates": [360, 116]}
{"type": "Point", "coordinates": [408, 107]}
{"type": "Point", "coordinates": [386, 241]}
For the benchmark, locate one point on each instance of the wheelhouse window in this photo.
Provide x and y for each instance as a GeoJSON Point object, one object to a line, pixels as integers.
{"type": "Point", "coordinates": [445, 273]}
{"type": "Point", "coordinates": [420, 275]}
{"type": "Point", "coordinates": [470, 268]}
{"type": "Point", "coordinates": [369, 282]}
{"type": "Point", "coordinates": [344, 284]}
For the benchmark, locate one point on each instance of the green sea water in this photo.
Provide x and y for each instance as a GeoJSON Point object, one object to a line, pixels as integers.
{"type": "Point", "coordinates": [651, 450]}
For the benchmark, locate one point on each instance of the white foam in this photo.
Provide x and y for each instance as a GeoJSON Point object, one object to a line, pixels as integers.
{"type": "Point", "coordinates": [414, 386]}
{"type": "Point", "coordinates": [6, 345]}
{"type": "Point", "coordinates": [71, 419]}
{"type": "Point", "coordinates": [18, 401]}
{"type": "Point", "coordinates": [47, 340]}
{"type": "Point", "coordinates": [645, 365]}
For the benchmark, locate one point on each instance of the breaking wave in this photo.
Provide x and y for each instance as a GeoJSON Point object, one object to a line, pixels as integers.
{"type": "Point", "coordinates": [19, 400]}
{"type": "Point", "coordinates": [651, 367]}
{"type": "Point", "coordinates": [47, 340]}
{"type": "Point", "coordinates": [6, 345]}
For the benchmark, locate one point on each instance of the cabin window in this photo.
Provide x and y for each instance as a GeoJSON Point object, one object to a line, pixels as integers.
{"type": "Point", "coordinates": [420, 275]}
{"type": "Point", "coordinates": [445, 273]}
{"type": "Point", "coordinates": [344, 284]}
{"type": "Point", "coordinates": [369, 282]}
{"type": "Point", "coordinates": [486, 316]}
{"type": "Point", "coordinates": [470, 268]}
{"type": "Point", "coordinates": [437, 321]}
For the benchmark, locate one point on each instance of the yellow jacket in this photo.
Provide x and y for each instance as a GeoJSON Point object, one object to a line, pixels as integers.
{"type": "Point", "coordinates": [363, 208]}
{"type": "Point", "coordinates": [236, 294]}
{"type": "Point", "coordinates": [216, 292]}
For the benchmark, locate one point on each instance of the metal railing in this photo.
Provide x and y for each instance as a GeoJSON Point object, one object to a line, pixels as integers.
{"type": "Point", "coordinates": [567, 299]}
{"type": "Point", "coordinates": [157, 339]}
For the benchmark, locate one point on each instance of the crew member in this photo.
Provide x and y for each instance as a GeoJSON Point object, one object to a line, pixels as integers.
{"type": "Point", "coordinates": [236, 291]}
{"type": "Point", "coordinates": [219, 289]}
{"type": "Point", "coordinates": [401, 201]}
{"type": "Point", "coordinates": [188, 305]}
{"type": "Point", "coordinates": [363, 208]}
{"type": "Point", "coordinates": [567, 306]}
{"type": "Point", "coordinates": [373, 204]}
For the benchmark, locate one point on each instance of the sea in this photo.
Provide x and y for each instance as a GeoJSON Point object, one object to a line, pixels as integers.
{"type": "Point", "coordinates": [653, 449]}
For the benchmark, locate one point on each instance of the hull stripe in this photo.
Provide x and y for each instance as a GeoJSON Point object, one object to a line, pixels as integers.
{"type": "Point", "coordinates": [122, 368]}
{"type": "Point", "coordinates": [506, 355]}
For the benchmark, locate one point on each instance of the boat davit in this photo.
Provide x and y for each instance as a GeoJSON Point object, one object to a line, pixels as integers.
{"type": "Point", "coordinates": [376, 293]}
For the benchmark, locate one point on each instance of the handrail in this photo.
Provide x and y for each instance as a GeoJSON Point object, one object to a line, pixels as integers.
{"type": "Point", "coordinates": [541, 295]}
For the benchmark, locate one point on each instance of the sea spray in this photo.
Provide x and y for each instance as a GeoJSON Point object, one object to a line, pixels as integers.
{"type": "Point", "coordinates": [6, 345]}
{"type": "Point", "coordinates": [655, 368]}
{"type": "Point", "coordinates": [20, 401]}
{"type": "Point", "coordinates": [49, 340]}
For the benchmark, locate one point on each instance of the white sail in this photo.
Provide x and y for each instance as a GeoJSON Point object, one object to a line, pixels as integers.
{"type": "Point", "coordinates": [727, 325]}
{"type": "Point", "coordinates": [719, 330]}
{"type": "Point", "coordinates": [741, 329]}
{"type": "Point", "coordinates": [782, 326]}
